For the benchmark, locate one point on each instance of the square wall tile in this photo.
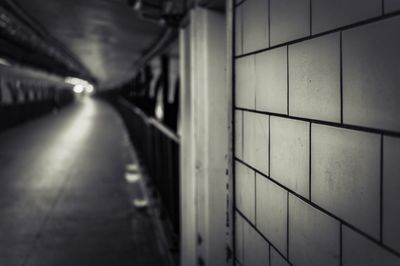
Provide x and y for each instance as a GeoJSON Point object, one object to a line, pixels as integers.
{"type": "Point", "coordinates": [271, 212]}
{"type": "Point", "coordinates": [239, 134]}
{"type": "Point", "coordinates": [328, 14]}
{"type": "Point", "coordinates": [245, 190]}
{"type": "Point", "coordinates": [255, 140]}
{"type": "Point", "coordinates": [255, 25]}
{"type": "Point", "coordinates": [391, 5]}
{"type": "Point", "coordinates": [391, 195]}
{"type": "Point", "coordinates": [239, 237]}
{"type": "Point", "coordinates": [245, 89]}
{"type": "Point", "coordinates": [314, 78]}
{"type": "Point", "coordinates": [290, 153]}
{"type": "Point", "coordinates": [256, 249]}
{"type": "Point", "coordinates": [290, 20]}
{"type": "Point", "coordinates": [277, 259]}
{"type": "Point", "coordinates": [371, 77]}
{"type": "Point", "coordinates": [345, 175]}
{"type": "Point", "coordinates": [313, 236]}
{"type": "Point", "coordinates": [271, 81]}
{"type": "Point", "coordinates": [359, 250]}
{"type": "Point", "coordinates": [238, 31]}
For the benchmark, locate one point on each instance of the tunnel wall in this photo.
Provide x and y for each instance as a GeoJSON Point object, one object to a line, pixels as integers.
{"type": "Point", "coordinates": [20, 103]}
{"type": "Point", "coordinates": [317, 132]}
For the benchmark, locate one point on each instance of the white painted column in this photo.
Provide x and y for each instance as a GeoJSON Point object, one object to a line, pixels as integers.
{"type": "Point", "coordinates": [187, 166]}
{"type": "Point", "coordinates": [205, 153]}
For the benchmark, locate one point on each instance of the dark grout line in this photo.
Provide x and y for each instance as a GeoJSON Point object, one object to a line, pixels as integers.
{"type": "Point", "coordinates": [326, 123]}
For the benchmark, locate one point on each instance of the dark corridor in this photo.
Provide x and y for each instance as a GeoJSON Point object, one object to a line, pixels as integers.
{"type": "Point", "coordinates": [63, 196]}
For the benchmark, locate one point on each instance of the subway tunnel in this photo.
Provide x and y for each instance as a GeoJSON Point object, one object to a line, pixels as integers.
{"type": "Point", "coordinates": [199, 132]}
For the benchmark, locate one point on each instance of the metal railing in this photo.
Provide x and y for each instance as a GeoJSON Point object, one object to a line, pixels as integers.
{"type": "Point", "coordinates": [158, 147]}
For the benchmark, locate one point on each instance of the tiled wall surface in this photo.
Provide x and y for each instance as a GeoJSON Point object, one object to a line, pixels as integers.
{"type": "Point", "coordinates": [317, 132]}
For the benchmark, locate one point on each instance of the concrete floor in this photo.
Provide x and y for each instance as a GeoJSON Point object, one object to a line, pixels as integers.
{"type": "Point", "coordinates": [63, 196]}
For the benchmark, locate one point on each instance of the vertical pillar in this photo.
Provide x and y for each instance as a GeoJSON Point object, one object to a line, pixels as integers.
{"type": "Point", "coordinates": [205, 148]}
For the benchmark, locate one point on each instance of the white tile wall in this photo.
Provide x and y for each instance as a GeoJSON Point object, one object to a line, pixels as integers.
{"type": "Point", "coordinates": [345, 163]}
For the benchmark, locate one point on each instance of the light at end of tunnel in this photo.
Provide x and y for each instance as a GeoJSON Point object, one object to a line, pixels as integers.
{"type": "Point", "coordinates": [78, 88]}
{"type": "Point", "coordinates": [89, 89]}
{"type": "Point", "coordinates": [80, 85]}
{"type": "Point", "coordinates": [75, 81]}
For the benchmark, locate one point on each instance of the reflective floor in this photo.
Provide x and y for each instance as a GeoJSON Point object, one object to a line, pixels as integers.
{"type": "Point", "coordinates": [63, 196]}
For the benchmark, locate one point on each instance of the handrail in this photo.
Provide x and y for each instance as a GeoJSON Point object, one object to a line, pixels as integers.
{"type": "Point", "coordinates": [135, 109]}
{"type": "Point", "coordinates": [168, 132]}
{"type": "Point", "coordinates": [149, 120]}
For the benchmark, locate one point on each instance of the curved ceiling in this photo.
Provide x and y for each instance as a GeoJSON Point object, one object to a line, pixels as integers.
{"type": "Point", "coordinates": [105, 35]}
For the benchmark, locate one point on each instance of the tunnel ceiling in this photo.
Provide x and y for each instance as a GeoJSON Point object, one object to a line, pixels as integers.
{"type": "Point", "coordinates": [106, 35]}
